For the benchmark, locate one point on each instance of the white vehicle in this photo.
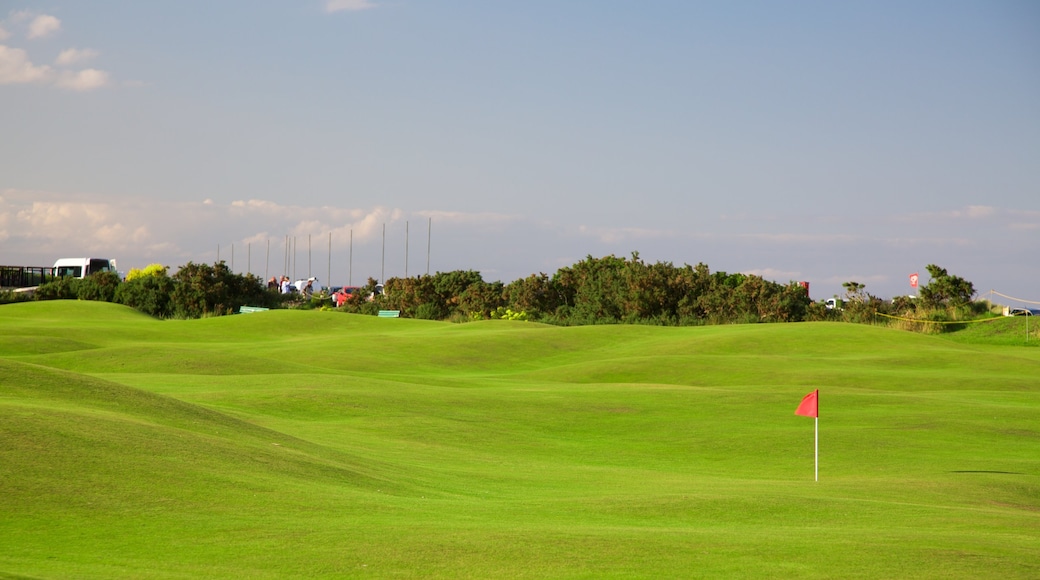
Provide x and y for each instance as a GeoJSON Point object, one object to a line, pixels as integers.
{"type": "Point", "coordinates": [83, 267]}
{"type": "Point", "coordinates": [316, 286]}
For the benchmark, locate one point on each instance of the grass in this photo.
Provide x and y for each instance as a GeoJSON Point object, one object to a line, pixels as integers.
{"type": "Point", "coordinates": [319, 444]}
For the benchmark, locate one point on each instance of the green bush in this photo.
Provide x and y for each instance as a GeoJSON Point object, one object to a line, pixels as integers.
{"type": "Point", "coordinates": [204, 290]}
{"type": "Point", "coordinates": [10, 296]}
{"type": "Point", "coordinates": [151, 294]}
{"type": "Point", "coordinates": [427, 311]}
{"type": "Point", "coordinates": [100, 287]}
{"type": "Point", "coordinates": [60, 289]}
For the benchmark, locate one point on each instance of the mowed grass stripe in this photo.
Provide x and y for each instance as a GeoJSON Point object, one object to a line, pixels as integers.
{"type": "Point", "coordinates": [288, 444]}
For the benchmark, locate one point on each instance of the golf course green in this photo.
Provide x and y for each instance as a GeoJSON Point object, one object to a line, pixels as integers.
{"type": "Point", "coordinates": [305, 444]}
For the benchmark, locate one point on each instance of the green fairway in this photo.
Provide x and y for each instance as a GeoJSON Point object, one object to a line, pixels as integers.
{"type": "Point", "coordinates": [289, 444]}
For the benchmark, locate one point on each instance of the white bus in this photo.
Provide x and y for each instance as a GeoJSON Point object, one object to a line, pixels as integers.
{"type": "Point", "coordinates": [82, 267]}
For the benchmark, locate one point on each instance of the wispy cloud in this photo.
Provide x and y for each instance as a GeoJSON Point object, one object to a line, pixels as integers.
{"type": "Point", "coordinates": [621, 235]}
{"type": "Point", "coordinates": [971, 212]}
{"type": "Point", "coordinates": [83, 80]}
{"type": "Point", "coordinates": [865, 279]}
{"type": "Point", "coordinates": [802, 238]}
{"type": "Point", "coordinates": [73, 56]}
{"type": "Point", "coordinates": [774, 274]}
{"type": "Point", "coordinates": [43, 26]}
{"type": "Point", "coordinates": [468, 218]}
{"type": "Point", "coordinates": [17, 69]}
{"type": "Point", "coordinates": [34, 222]}
{"type": "Point", "coordinates": [352, 5]}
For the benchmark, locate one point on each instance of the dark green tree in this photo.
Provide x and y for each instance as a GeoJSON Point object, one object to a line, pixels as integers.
{"type": "Point", "coordinates": [945, 290]}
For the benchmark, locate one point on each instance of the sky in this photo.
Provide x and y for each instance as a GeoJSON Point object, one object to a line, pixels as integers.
{"type": "Point", "coordinates": [809, 141]}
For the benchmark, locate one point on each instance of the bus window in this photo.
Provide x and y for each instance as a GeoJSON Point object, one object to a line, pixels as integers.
{"type": "Point", "coordinates": [96, 266]}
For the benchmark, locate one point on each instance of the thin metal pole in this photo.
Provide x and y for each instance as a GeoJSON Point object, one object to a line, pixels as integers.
{"type": "Point", "coordinates": [817, 466]}
{"type": "Point", "coordinates": [294, 246]}
{"type": "Point", "coordinates": [429, 229]}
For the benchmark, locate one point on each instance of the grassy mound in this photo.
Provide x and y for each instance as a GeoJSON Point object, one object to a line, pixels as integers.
{"type": "Point", "coordinates": [288, 444]}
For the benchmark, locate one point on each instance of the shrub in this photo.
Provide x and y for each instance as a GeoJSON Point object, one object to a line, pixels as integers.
{"type": "Point", "coordinates": [157, 270]}
{"type": "Point", "coordinates": [204, 290]}
{"type": "Point", "coordinates": [60, 289]}
{"type": "Point", "coordinates": [151, 294]}
{"type": "Point", "coordinates": [101, 287]}
{"type": "Point", "coordinates": [9, 296]}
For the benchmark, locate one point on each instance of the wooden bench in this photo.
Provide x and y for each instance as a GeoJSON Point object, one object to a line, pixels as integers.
{"type": "Point", "coordinates": [250, 309]}
{"type": "Point", "coordinates": [389, 314]}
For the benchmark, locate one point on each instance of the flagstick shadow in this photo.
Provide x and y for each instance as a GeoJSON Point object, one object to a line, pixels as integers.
{"type": "Point", "coordinates": [987, 471]}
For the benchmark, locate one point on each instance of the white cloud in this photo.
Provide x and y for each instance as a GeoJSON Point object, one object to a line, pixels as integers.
{"type": "Point", "coordinates": [621, 235]}
{"type": "Point", "coordinates": [865, 279]}
{"type": "Point", "coordinates": [468, 218]}
{"type": "Point", "coordinates": [84, 80]}
{"type": "Point", "coordinates": [20, 16]}
{"type": "Point", "coordinates": [1019, 226]}
{"type": "Point", "coordinates": [971, 212]}
{"type": "Point", "coordinates": [774, 274]}
{"type": "Point", "coordinates": [353, 5]}
{"type": "Point", "coordinates": [43, 26]}
{"type": "Point", "coordinates": [73, 56]}
{"type": "Point", "coordinates": [802, 238]}
{"type": "Point", "coordinates": [145, 231]}
{"type": "Point", "coordinates": [16, 68]}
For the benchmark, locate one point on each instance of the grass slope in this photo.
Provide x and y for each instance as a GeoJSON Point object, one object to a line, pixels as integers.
{"type": "Point", "coordinates": [308, 444]}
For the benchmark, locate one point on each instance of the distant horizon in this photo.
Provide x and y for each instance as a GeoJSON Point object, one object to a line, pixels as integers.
{"type": "Point", "coordinates": [317, 264]}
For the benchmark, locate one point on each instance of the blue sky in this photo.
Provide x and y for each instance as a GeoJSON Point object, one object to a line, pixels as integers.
{"type": "Point", "coordinates": [818, 141]}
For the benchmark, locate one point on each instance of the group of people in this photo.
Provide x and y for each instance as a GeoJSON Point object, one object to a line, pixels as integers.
{"type": "Point", "coordinates": [284, 286]}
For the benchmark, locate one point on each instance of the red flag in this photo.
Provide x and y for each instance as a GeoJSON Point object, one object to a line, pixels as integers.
{"type": "Point", "coordinates": [913, 280]}
{"type": "Point", "coordinates": [810, 405]}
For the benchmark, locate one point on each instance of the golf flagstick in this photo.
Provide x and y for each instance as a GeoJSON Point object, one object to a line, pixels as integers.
{"type": "Point", "coordinates": [810, 407]}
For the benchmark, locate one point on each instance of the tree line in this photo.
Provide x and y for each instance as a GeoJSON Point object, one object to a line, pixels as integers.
{"type": "Point", "coordinates": [606, 290]}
